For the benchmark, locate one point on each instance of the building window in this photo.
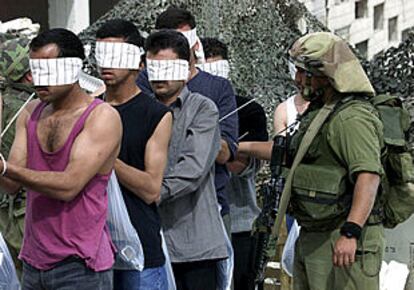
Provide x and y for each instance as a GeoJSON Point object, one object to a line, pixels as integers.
{"type": "Point", "coordinates": [405, 34]}
{"type": "Point", "coordinates": [379, 17]}
{"type": "Point", "coordinates": [393, 29]}
{"type": "Point", "coordinates": [343, 32]}
{"type": "Point", "coordinates": [361, 9]}
{"type": "Point", "coordinates": [362, 48]}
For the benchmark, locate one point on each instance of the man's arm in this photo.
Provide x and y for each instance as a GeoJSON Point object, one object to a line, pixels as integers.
{"type": "Point", "coordinates": [18, 150]}
{"type": "Point", "coordinates": [244, 165]}
{"type": "Point", "coordinates": [355, 136]}
{"type": "Point", "coordinates": [280, 119]}
{"type": "Point", "coordinates": [94, 151]}
{"type": "Point", "coordinates": [365, 192]}
{"type": "Point", "coordinates": [224, 152]}
{"type": "Point", "coordinates": [197, 155]}
{"type": "Point", "coordinates": [147, 184]}
{"type": "Point", "coordinates": [229, 127]}
{"type": "Point", "coordinates": [259, 150]}
{"type": "Point", "coordinates": [363, 200]}
{"type": "Point", "coordinates": [239, 164]}
{"type": "Point", "coordinates": [256, 145]}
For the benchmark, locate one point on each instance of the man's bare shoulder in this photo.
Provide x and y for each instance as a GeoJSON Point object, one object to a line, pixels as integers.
{"type": "Point", "coordinates": [282, 106]}
{"type": "Point", "coordinates": [104, 121]}
{"type": "Point", "coordinates": [280, 111]}
{"type": "Point", "coordinates": [104, 113]}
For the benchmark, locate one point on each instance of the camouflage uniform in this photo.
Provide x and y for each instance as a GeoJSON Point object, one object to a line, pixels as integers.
{"type": "Point", "coordinates": [6, 36]}
{"type": "Point", "coordinates": [14, 64]}
{"type": "Point", "coordinates": [348, 143]}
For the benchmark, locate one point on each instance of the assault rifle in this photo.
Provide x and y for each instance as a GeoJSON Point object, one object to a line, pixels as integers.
{"type": "Point", "coordinates": [271, 193]}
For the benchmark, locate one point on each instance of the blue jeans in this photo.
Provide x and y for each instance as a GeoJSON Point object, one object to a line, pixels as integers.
{"type": "Point", "coordinates": [148, 279]}
{"type": "Point", "coordinates": [68, 275]}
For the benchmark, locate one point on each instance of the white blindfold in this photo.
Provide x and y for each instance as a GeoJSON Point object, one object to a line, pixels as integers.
{"type": "Point", "coordinates": [55, 71]}
{"type": "Point", "coordinates": [191, 36]}
{"type": "Point", "coordinates": [219, 68]}
{"type": "Point", "coordinates": [168, 70]}
{"type": "Point", "coordinates": [119, 55]}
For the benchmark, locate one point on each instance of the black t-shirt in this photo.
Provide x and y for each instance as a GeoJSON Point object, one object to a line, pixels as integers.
{"type": "Point", "coordinates": [252, 121]}
{"type": "Point", "coordinates": [140, 116]}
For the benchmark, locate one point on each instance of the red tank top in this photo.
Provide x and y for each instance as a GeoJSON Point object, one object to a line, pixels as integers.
{"type": "Point", "coordinates": [54, 229]}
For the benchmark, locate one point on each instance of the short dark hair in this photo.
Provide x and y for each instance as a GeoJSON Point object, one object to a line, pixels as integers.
{"type": "Point", "coordinates": [68, 43]}
{"type": "Point", "coordinates": [121, 28]}
{"type": "Point", "coordinates": [213, 47]}
{"type": "Point", "coordinates": [168, 39]}
{"type": "Point", "coordinates": [174, 17]}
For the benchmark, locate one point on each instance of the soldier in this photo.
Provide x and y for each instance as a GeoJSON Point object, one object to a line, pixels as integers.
{"type": "Point", "coordinates": [334, 188]}
{"type": "Point", "coordinates": [15, 89]}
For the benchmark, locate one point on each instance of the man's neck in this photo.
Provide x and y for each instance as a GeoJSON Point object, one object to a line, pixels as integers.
{"type": "Point", "coordinates": [329, 95]}
{"type": "Point", "coordinates": [75, 98]}
{"type": "Point", "coordinates": [193, 70]}
{"type": "Point", "coordinates": [169, 100]}
{"type": "Point", "coordinates": [122, 93]}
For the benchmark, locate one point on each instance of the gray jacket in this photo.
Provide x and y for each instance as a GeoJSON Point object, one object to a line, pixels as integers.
{"type": "Point", "coordinates": [189, 209]}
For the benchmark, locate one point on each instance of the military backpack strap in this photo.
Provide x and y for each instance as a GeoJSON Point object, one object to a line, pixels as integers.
{"type": "Point", "coordinates": [310, 134]}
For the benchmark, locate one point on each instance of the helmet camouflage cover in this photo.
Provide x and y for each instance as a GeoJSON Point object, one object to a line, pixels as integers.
{"type": "Point", "coordinates": [324, 53]}
{"type": "Point", "coordinates": [14, 58]}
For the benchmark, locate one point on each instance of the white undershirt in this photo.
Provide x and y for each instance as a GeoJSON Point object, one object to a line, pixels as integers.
{"type": "Point", "coordinates": [291, 114]}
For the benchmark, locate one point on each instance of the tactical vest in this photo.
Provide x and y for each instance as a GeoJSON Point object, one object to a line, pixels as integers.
{"type": "Point", "coordinates": [322, 189]}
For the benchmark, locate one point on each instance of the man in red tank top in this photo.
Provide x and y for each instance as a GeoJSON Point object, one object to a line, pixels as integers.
{"type": "Point", "coordinates": [64, 150]}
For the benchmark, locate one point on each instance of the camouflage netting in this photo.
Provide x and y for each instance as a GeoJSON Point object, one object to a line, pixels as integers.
{"type": "Point", "coordinates": [393, 72]}
{"type": "Point", "coordinates": [258, 34]}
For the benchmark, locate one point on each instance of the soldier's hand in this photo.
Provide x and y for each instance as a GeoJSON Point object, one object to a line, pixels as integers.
{"type": "Point", "coordinates": [344, 252]}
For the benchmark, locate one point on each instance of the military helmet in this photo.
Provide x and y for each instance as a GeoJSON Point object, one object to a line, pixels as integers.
{"type": "Point", "coordinates": [14, 58]}
{"type": "Point", "coordinates": [323, 53]}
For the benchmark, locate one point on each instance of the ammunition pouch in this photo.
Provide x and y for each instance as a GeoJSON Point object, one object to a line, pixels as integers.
{"type": "Point", "coordinates": [320, 196]}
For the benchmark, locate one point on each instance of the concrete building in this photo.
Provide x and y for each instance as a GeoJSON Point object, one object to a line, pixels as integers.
{"type": "Point", "coordinates": [371, 25]}
{"type": "Point", "coordinates": [75, 15]}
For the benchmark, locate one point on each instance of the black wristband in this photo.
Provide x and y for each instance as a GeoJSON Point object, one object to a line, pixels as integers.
{"type": "Point", "coordinates": [351, 230]}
